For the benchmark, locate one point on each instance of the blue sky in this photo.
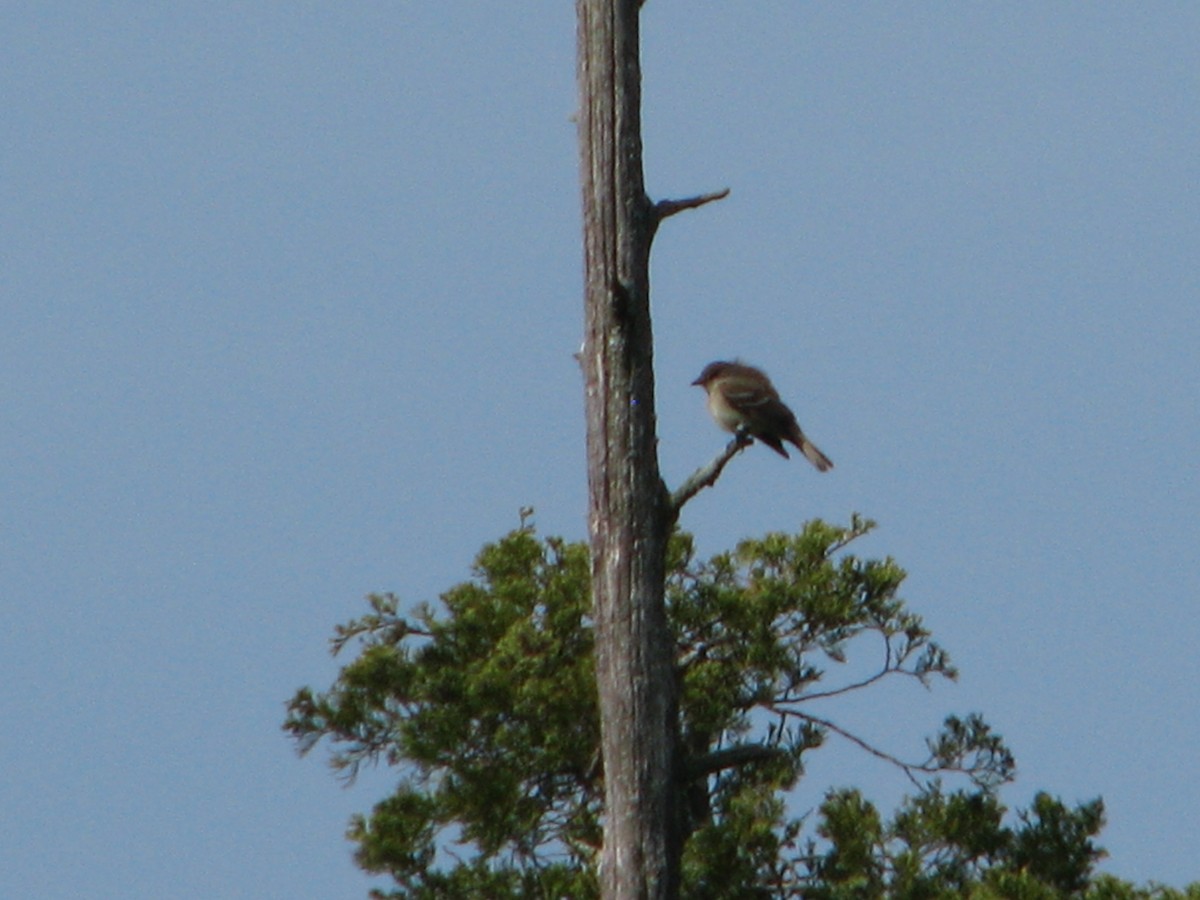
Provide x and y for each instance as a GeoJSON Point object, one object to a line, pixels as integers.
{"type": "Point", "coordinates": [289, 301]}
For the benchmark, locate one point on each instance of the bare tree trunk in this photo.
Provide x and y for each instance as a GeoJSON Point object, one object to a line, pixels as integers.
{"type": "Point", "coordinates": [630, 512]}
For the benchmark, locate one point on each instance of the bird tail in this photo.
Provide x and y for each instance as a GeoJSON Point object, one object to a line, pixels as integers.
{"type": "Point", "coordinates": [811, 453]}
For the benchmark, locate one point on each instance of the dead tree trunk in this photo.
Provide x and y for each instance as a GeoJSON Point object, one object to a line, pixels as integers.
{"type": "Point", "coordinates": [630, 511]}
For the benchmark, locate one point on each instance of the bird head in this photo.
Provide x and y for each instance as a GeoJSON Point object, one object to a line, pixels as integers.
{"type": "Point", "coordinates": [711, 371]}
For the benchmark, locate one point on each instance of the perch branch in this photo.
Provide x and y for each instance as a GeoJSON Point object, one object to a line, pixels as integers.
{"type": "Point", "coordinates": [706, 476]}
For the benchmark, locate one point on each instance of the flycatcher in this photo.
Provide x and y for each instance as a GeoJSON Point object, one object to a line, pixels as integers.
{"type": "Point", "coordinates": [741, 399]}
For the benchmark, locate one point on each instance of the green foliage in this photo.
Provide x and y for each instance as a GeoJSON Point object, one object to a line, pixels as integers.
{"type": "Point", "coordinates": [487, 708]}
{"type": "Point", "coordinates": [1106, 887]}
{"type": "Point", "coordinates": [490, 711]}
{"type": "Point", "coordinates": [942, 844]}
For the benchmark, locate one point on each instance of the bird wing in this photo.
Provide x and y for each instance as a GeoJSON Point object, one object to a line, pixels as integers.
{"type": "Point", "coordinates": [764, 415]}
{"type": "Point", "coordinates": [747, 395]}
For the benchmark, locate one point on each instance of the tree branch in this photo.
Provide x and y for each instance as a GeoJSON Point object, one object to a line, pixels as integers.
{"type": "Point", "coordinates": [730, 758]}
{"type": "Point", "coordinates": [891, 666]}
{"type": "Point", "coordinates": [706, 476]}
{"type": "Point", "coordinates": [666, 208]}
{"type": "Point", "coordinates": [907, 768]}
{"type": "Point", "coordinates": [846, 688]}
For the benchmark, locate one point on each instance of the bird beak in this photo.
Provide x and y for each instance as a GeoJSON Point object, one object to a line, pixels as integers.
{"type": "Point", "coordinates": [699, 381]}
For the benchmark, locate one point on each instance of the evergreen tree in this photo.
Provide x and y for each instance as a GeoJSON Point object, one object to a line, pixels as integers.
{"type": "Point", "coordinates": [486, 705]}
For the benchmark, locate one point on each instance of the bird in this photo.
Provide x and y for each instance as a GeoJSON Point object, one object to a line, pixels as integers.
{"type": "Point", "coordinates": [742, 400]}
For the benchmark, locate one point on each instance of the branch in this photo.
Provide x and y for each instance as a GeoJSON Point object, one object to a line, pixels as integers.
{"type": "Point", "coordinates": [706, 476]}
{"type": "Point", "coordinates": [890, 667]}
{"type": "Point", "coordinates": [731, 758]}
{"type": "Point", "coordinates": [665, 208]}
{"type": "Point", "coordinates": [907, 768]}
{"type": "Point", "coordinates": [846, 688]}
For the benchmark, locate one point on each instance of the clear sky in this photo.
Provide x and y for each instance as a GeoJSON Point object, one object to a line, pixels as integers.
{"type": "Point", "coordinates": [288, 300]}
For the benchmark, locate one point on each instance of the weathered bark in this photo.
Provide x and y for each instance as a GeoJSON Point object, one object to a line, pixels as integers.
{"type": "Point", "coordinates": [630, 511]}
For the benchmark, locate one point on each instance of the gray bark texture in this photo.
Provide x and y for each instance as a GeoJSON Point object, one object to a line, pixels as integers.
{"type": "Point", "coordinates": [630, 511]}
